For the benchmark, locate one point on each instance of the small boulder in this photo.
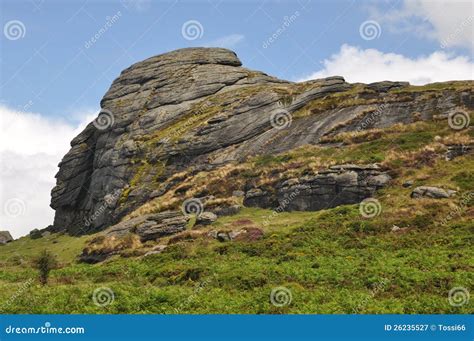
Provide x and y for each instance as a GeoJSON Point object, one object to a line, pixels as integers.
{"type": "Point", "coordinates": [432, 192]}
{"type": "Point", "coordinates": [35, 234]}
{"type": "Point", "coordinates": [206, 218]}
{"type": "Point", "coordinates": [223, 236]}
{"type": "Point", "coordinates": [455, 150]}
{"type": "Point", "coordinates": [226, 210]}
{"type": "Point", "coordinates": [408, 183]}
{"type": "Point", "coordinates": [5, 237]}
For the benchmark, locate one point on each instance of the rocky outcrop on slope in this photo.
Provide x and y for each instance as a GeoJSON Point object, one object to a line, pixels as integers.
{"type": "Point", "coordinates": [150, 226]}
{"type": "Point", "coordinates": [432, 192]}
{"type": "Point", "coordinates": [5, 237]}
{"type": "Point", "coordinates": [197, 109]}
{"type": "Point", "coordinates": [455, 150]}
{"type": "Point", "coordinates": [338, 185]}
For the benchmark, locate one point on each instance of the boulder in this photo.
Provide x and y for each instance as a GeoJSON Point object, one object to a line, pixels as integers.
{"type": "Point", "coordinates": [5, 237]}
{"type": "Point", "coordinates": [130, 226]}
{"type": "Point", "coordinates": [206, 218]}
{"type": "Point", "coordinates": [432, 192]}
{"type": "Point", "coordinates": [455, 150]}
{"type": "Point", "coordinates": [150, 226]}
{"type": "Point", "coordinates": [152, 230]}
{"type": "Point", "coordinates": [35, 234]}
{"type": "Point", "coordinates": [226, 210]}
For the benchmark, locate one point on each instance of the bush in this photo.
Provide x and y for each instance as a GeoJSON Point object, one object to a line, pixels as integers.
{"type": "Point", "coordinates": [44, 263]}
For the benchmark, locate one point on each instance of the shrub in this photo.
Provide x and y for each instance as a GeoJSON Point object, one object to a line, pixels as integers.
{"type": "Point", "coordinates": [44, 263]}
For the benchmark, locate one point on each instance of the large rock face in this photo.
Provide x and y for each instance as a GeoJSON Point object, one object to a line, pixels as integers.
{"type": "Point", "coordinates": [338, 185]}
{"type": "Point", "coordinates": [198, 108]}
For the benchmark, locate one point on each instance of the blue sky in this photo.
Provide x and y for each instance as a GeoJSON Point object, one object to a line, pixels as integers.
{"type": "Point", "coordinates": [52, 75]}
{"type": "Point", "coordinates": [51, 71]}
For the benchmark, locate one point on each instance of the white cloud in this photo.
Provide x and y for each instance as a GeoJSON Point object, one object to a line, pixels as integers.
{"type": "Point", "coordinates": [370, 65]}
{"type": "Point", "coordinates": [229, 41]}
{"type": "Point", "coordinates": [31, 147]}
{"type": "Point", "coordinates": [448, 22]}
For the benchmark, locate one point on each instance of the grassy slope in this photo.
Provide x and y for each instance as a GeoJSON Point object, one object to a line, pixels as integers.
{"type": "Point", "coordinates": [333, 261]}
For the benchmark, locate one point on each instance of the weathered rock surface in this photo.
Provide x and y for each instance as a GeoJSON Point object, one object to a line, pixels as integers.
{"type": "Point", "coordinates": [225, 210]}
{"type": "Point", "coordinates": [5, 237]}
{"type": "Point", "coordinates": [455, 150]}
{"type": "Point", "coordinates": [151, 226]}
{"type": "Point", "coordinates": [198, 109]}
{"type": "Point", "coordinates": [206, 218]}
{"type": "Point", "coordinates": [432, 192]}
{"type": "Point", "coordinates": [35, 234]}
{"type": "Point", "coordinates": [338, 185]}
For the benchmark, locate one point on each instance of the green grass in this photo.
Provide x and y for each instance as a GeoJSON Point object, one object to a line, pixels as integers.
{"type": "Point", "coordinates": [332, 261]}
{"type": "Point", "coordinates": [67, 248]}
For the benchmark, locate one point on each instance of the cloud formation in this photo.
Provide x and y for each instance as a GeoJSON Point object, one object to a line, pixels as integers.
{"type": "Point", "coordinates": [31, 147]}
{"type": "Point", "coordinates": [448, 22]}
{"type": "Point", "coordinates": [370, 65]}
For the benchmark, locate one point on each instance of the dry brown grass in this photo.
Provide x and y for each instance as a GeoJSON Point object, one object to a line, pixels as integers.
{"type": "Point", "coordinates": [110, 244]}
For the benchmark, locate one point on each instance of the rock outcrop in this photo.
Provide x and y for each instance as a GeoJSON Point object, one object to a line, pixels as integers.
{"type": "Point", "coordinates": [455, 150]}
{"type": "Point", "coordinates": [198, 109]}
{"type": "Point", "coordinates": [338, 185]}
{"type": "Point", "coordinates": [150, 226]}
{"type": "Point", "coordinates": [5, 237]}
{"type": "Point", "coordinates": [432, 192]}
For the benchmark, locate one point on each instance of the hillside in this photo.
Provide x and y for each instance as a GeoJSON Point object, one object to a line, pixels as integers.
{"type": "Point", "coordinates": [204, 187]}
